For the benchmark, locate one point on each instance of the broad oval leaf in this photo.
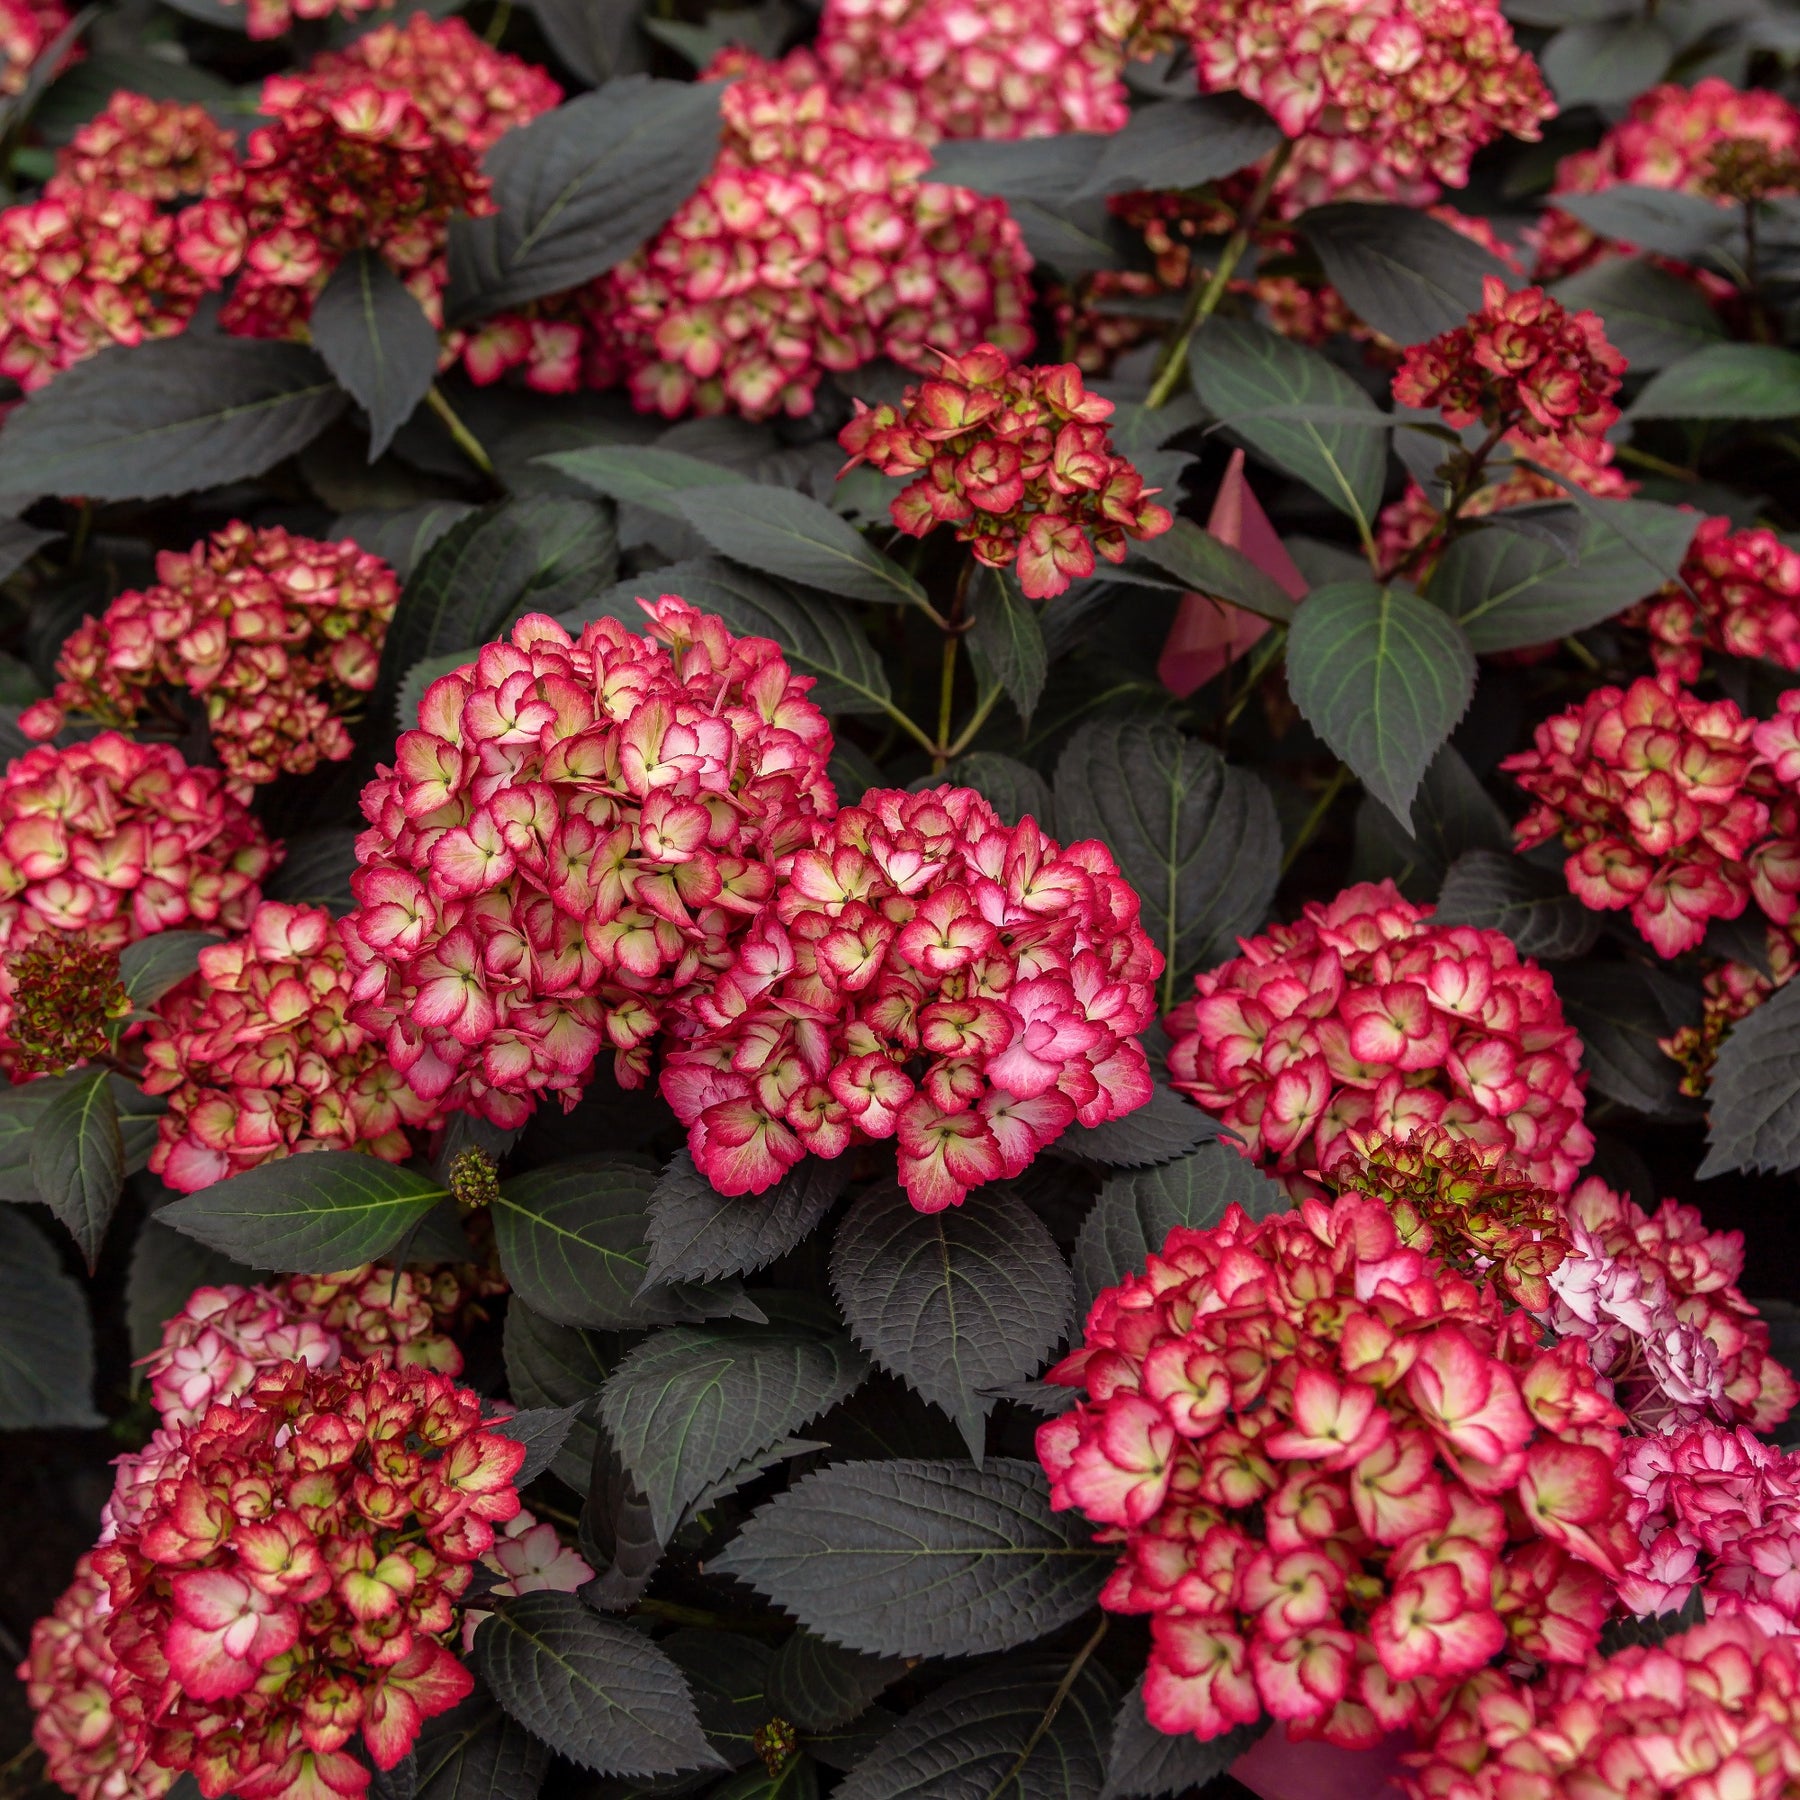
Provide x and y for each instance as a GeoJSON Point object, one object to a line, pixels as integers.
{"type": "Point", "coordinates": [168, 417]}
{"type": "Point", "coordinates": [1623, 1011]}
{"type": "Point", "coordinates": [153, 965]}
{"type": "Point", "coordinates": [913, 1557]}
{"type": "Point", "coordinates": [1382, 676]}
{"type": "Point", "coordinates": [1531, 905]}
{"type": "Point", "coordinates": [641, 474]}
{"type": "Point", "coordinates": [475, 1752]}
{"type": "Point", "coordinates": [693, 1402]}
{"type": "Point", "coordinates": [1208, 565]}
{"type": "Point", "coordinates": [1606, 63]}
{"type": "Point", "coordinates": [954, 1302]}
{"type": "Point", "coordinates": [46, 1343]}
{"type": "Point", "coordinates": [543, 1430]}
{"type": "Point", "coordinates": [1006, 642]}
{"type": "Point", "coordinates": [375, 338]}
{"type": "Point", "coordinates": [1167, 1126]}
{"type": "Point", "coordinates": [698, 1234]}
{"type": "Point", "coordinates": [784, 533]}
{"type": "Point", "coordinates": [1721, 381]}
{"type": "Point", "coordinates": [1755, 1096]}
{"type": "Point", "coordinates": [1182, 143]}
{"type": "Point", "coordinates": [78, 1157]}
{"type": "Point", "coordinates": [1664, 221]}
{"type": "Point", "coordinates": [1014, 790]}
{"type": "Point", "coordinates": [820, 1685]}
{"type": "Point", "coordinates": [308, 1215]}
{"type": "Point", "coordinates": [1652, 318]}
{"type": "Point", "coordinates": [165, 1269]}
{"type": "Point", "coordinates": [553, 1366]}
{"type": "Point", "coordinates": [596, 1692]}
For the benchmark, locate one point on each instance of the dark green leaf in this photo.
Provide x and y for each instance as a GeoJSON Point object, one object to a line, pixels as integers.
{"type": "Point", "coordinates": [1508, 590]}
{"type": "Point", "coordinates": [22, 1109]}
{"type": "Point", "coordinates": [819, 1686]}
{"type": "Point", "coordinates": [1652, 317]}
{"type": "Point", "coordinates": [1146, 1764]}
{"type": "Point", "coordinates": [46, 1345]}
{"type": "Point", "coordinates": [921, 1558]}
{"type": "Point", "coordinates": [596, 1692]}
{"type": "Point", "coordinates": [1621, 1010]}
{"type": "Point", "coordinates": [1664, 221]}
{"type": "Point", "coordinates": [1198, 840]}
{"type": "Point", "coordinates": [153, 965]}
{"type": "Point", "coordinates": [551, 1365]}
{"type": "Point", "coordinates": [375, 338]}
{"type": "Point", "coordinates": [641, 474]}
{"type": "Point", "coordinates": [1755, 1121]}
{"type": "Point", "coordinates": [953, 1302]}
{"type": "Point", "coordinates": [330, 1209]}
{"type": "Point", "coordinates": [597, 39]}
{"type": "Point", "coordinates": [1006, 641]}
{"type": "Point", "coordinates": [1046, 169]}
{"type": "Point", "coordinates": [1651, 1629]}
{"type": "Point", "coordinates": [1135, 1213]}
{"type": "Point", "coordinates": [1166, 1127]}
{"type": "Point", "coordinates": [543, 1430]}
{"type": "Point", "coordinates": [698, 1234]}
{"type": "Point", "coordinates": [400, 536]}
{"type": "Point", "coordinates": [728, 1675]}
{"type": "Point", "coordinates": [1241, 369]}
{"type": "Point", "coordinates": [997, 1733]}
{"type": "Point", "coordinates": [580, 189]}
{"type": "Point", "coordinates": [316, 870]}
{"type": "Point", "coordinates": [1606, 63]}
{"type": "Point", "coordinates": [692, 1402]}
{"type": "Point", "coordinates": [1402, 271]}
{"type": "Point", "coordinates": [475, 1752]}
{"type": "Point", "coordinates": [20, 542]}
{"type": "Point", "coordinates": [1013, 789]}
{"type": "Point", "coordinates": [1382, 677]}
{"type": "Point", "coordinates": [1531, 905]}
{"type": "Point", "coordinates": [165, 1269]}
{"type": "Point", "coordinates": [617, 1533]}
{"type": "Point", "coordinates": [78, 1157]}
{"type": "Point", "coordinates": [784, 533]}
{"type": "Point", "coordinates": [1182, 144]}
{"type": "Point", "coordinates": [1720, 381]}
{"type": "Point", "coordinates": [1201, 561]}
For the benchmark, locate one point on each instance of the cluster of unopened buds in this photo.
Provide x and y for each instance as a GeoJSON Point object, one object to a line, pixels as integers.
{"type": "Point", "coordinates": [1671, 138]}
{"type": "Point", "coordinates": [1710, 1714]}
{"type": "Point", "coordinates": [1653, 1297]}
{"type": "Point", "coordinates": [64, 1002]}
{"type": "Point", "coordinates": [577, 830]}
{"type": "Point", "coordinates": [1344, 1479]}
{"type": "Point", "coordinates": [118, 840]}
{"type": "Point", "coordinates": [1018, 458]}
{"type": "Point", "coordinates": [1681, 809]}
{"type": "Point", "coordinates": [926, 974]}
{"type": "Point", "coordinates": [1363, 1015]}
{"type": "Point", "coordinates": [812, 247]}
{"type": "Point", "coordinates": [261, 1058]}
{"type": "Point", "coordinates": [278, 636]}
{"type": "Point", "coordinates": [929, 69]}
{"type": "Point", "coordinates": [1739, 595]}
{"type": "Point", "coordinates": [1524, 366]}
{"type": "Point", "coordinates": [1730, 992]}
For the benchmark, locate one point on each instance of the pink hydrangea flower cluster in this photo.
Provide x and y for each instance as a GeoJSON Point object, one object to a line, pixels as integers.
{"type": "Point", "coordinates": [223, 1337]}
{"type": "Point", "coordinates": [278, 635]}
{"type": "Point", "coordinates": [1018, 459]}
{"type": "Point", "coordinates": [1729, 992]}
{"type": "Point", "coordinates": [1654, 1299]}
{"type": "Point", "coordinates": [813, 246]}
{"type": "Point", "coordinates": [1681, 809]}
{"type": "Point", "coordinates": [1343, 1478]}
{"type": "Point", "coordinates": [157, 149]}
{"type": "Point", "coordinates": [26, 28]}
{"type": "Point", "coordinates": [1711, 1714]}
{"type": "Point", "coordinates": [529, 1558]}
{"type": "Point", "coordinates": [1363, 1015]}
{"type": "Point", "coordinates": [1741, 598]}
{"type": "Point", "coordinates": [930, 69]}
{"type": "Point", "coordinates": [923, 974]}
{"type": "Point", "coordinates": [261, 1057]}
{"type": "Point", "coordinates": [577, 830]}
{"type": "Point", "coordinates": [294, 1579]}
{"type": "Point", "coordinates": [1522, 365]}
{"type": "Point", "coordinates": [1668, 139]}
{"type": "Point", "coordinates": [274, 18]}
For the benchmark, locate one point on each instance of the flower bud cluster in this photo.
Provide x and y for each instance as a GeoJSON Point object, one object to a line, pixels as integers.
{"type": "Point", "coordinates": [278, 635]}
{"type": "Point", "coordinates": [926, 974]}
{"type": "Point", "coordinates": [1363, 1015]}
{"type": "Point", "coordinates": [1681, 809]}
{"type": "Point", "coordinates": [1019, 459]}
{"type": "Point", "coordinates": [1344, 1479]}
{"type": "Point", "coordinates": [261, 1057]}
{"type": "Point", "coordinates": [1654, 1299]}
{"type": "Point", "coordinates": [64, 999]}
{"type": "Point", "coordinates": [578, 829]}
{"type": "Point", "coordinates": [1728, 993]}
{"type": "Point", "coordinates": [1522, 365]}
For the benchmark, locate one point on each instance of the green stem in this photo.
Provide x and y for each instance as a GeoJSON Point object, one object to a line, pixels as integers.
{"type": "Point", "coordinates": [1582, 654]}
{"type": "Point", "coordinates": [1063, 1690]}
{"type": "Point", "coordinates": [1204, 301]}
{"type": "Point", "coordinates": [1316, 817]}
{"type": "Point", "coordinates": [975, 724]}
{"type": "Point", "coordinates": [464, 439]}
{"type": "Point", "coordinates": [946, 700]}
{"type": "Point", "coordinates": [1656, 464]}
{"type": "Point", "coordinates": [1272, 646]}
{"type": "Point", "coordinates": [498, 23]}
{"type": "Point", "coordinates": [919, 737]}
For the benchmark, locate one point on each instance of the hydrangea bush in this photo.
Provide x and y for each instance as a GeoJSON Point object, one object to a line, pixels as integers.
{"type": "Point", "coordinates": [899, 899]}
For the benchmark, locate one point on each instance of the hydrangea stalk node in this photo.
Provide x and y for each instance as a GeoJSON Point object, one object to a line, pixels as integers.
{"type": "Point", "coordinates": [1018, 458]}
{"type": "Point", "coordinates": [926, 974]}
{"type": "Point", "coordinates": [1680, 809]}
{"type": "Point", "coordinates": [278, 636]}
{"type": "Point", "coordinates": [578, 830]}
{"type": "Point", "coordinates": [1343, 1478]}
{"type": "Point", "coordinates": [1365, 1016]}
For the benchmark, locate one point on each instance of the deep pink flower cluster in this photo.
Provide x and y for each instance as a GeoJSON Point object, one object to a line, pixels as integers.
{"type": "Point", "coordinates": [1712, 1714]}
{"type": "Point", "coordinates": [1388, 97]}
{"type": "Point", "coordinates": [930, 69]}
{"type": "Point", "coordinates": [1654, 1299]}
{"type": "Point", "coordinates": [26, 28]}
{"type": "Point", "coordinates": [923, 974]}
{"type": "Point", "coordinates": [1730, 992]}
{"type": "Point", "coordinates": [278, 635]}
{"type": "Point", "coordinates": [577, 830]}
{"type": "Point", "coordinates": [1681, 809]}
{"type": "Point", "coordinates": [158, 149]}
{"type": "Point", "coordinates": [294, 1579]}
{"type": "Point", "coordinates": [1343, 1477]}
{"type": "Point", "coordinates": [1669, 139]}
{"type": "Point", "coordinates": [1018, 459]}
{"type": "Point", "coordinates": [222, 1339]}
{"type": "Point", "coordinates": [1741, 597]}
{"type": "Point", "coordinates": [273, 18]}
{"type": "Point", "coordinates": [529, 1558]}
{"type": "Point", "coordinates": [813, 246]}
{"type": "Point", "coordinates": [1364, 1015]}
{"type": "Point", "coordinates": [1522, 365]}
{"type": "Point", "coordinates": [261, 1057]}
